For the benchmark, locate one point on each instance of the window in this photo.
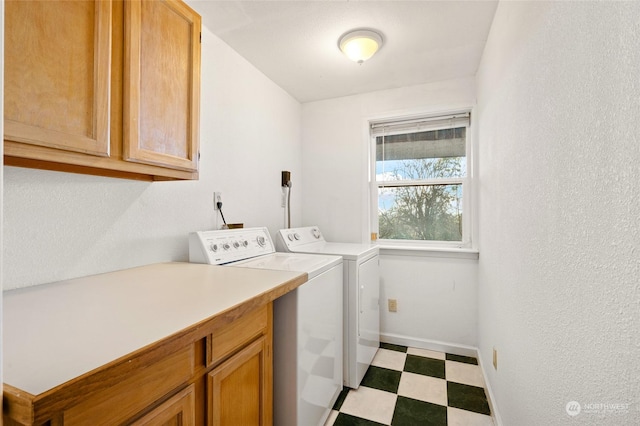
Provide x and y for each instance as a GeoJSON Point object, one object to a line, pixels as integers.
{"type": "Point", "coordinates": [421, 184]}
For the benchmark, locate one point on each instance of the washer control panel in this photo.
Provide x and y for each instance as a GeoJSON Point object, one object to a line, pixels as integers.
{"type": "Point", "coordinates": [295, 237]}
{"type": "Point", "coordinates": [229, 245]}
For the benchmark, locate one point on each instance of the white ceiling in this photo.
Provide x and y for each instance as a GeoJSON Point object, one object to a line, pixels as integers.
{"type": "Point", "coordinates": [295, 43]}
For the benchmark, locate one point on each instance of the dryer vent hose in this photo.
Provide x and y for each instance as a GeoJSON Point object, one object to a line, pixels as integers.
{"type": "Point", "coordinates": [289, 204]}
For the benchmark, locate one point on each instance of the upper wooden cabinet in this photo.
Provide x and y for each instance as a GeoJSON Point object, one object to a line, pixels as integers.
{"type": "Point", "coordinates": [57, 70]}
{"type": "Point", "coordinates": [103, 87]}
{"type": "Point", "coordinates": [161, 84]}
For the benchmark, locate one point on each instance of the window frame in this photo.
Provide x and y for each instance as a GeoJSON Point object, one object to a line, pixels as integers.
{"type": "Point", "coordinates": [466, 183]}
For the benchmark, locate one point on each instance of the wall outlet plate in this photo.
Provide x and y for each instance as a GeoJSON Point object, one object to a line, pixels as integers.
{"type": "Point", "coordinates": [217, 198]}
{"type": "Point", "coordinates": [393, 305]}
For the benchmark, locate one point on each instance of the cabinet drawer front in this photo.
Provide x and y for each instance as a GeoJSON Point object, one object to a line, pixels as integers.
{"type": "Point", "coordinates": [228, 338]}
{"type": "Point", "coordinates": [135, 392]}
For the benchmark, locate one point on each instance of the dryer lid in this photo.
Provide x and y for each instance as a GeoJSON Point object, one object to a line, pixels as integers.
{"type": "Point", "coordinates": [310, 240]}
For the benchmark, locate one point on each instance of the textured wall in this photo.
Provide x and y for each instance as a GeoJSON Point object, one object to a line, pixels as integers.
{"type": "Point", "coordinates": [437, 297]}
{"type": "Point", "coordinates": [559, 108]}
{"type": "Point", "coordinates": [60, 225]}
{"type": "Point", "coordinates": [336, 148]}
{"type": "Point", "coordinates": [437, 301]}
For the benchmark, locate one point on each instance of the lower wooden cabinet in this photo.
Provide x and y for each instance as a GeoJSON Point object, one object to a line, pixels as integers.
{"type": "Point", "coordinates": [239, 390]}
{"type": "Point", "coordinates": [135, 391]}
{"type": "Point", "coordinates": [216, 373]}
{"type": "Point", "coordinates": [180, 410]}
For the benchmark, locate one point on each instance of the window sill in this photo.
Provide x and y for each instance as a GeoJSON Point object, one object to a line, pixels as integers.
{"type": "Point", "coordinates": [450, 252]}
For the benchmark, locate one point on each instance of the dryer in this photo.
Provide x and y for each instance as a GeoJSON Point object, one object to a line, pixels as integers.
{"type": "Point", "coordinates": [361, 294]}
{"type": "Point", "coordinates": [307, 322]}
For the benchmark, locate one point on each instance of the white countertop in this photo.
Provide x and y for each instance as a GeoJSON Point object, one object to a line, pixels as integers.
{"type": "Point", "coordinates": [56, 332]}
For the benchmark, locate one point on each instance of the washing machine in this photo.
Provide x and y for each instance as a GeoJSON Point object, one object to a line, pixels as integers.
{"type": "Point", "coordinates": [307, 322]}
{"type": "Point", "coordinates": [361, 294]}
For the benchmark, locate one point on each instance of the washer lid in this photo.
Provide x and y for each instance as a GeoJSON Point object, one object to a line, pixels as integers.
{"type": "Point", "coordinates": [312, 264]}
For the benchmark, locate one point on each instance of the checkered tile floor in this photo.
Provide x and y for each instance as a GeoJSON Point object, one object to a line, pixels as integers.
{"type": "Point", "coordinates": [409, 386]}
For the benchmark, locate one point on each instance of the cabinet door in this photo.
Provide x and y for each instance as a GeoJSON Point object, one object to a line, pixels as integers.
{"type": "Point", "coordinates": [161, 84]}
{"type": "Point", "coordinates": [179, 410]}
{"type": "Point", "coordinates": [240, 389]}
{"type": "Point", "coordinates": [56, 74]}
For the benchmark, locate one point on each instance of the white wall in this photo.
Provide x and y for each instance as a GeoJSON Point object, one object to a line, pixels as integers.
{"type": "Point", "coordinates": [1, 175]}
{"type": "Point", "coordinates": [436, 297]}
{"type": "Point", "coordinates": [335, 150]}
{"type": "Point", "coordinates": [558, 103]}
{"type": "Point", "coordinates": [60, 225]}
{"type": "Point", "coordinates": [437, 302]}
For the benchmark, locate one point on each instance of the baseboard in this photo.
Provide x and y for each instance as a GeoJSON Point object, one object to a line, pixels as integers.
{"type": "Point", "coordinates": [433, 345]}
{"type": "Point", "coordinates": [495, 414]}
{"type": "Point", "coordinates": [452, 348]}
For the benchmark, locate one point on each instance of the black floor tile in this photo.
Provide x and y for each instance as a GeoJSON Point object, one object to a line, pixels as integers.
{"type": "Point", "coordinates": [425, 366]}
{"type": "Point", "coordinates": [392, 347]}
{"type": "Point", "coordinates": [341, 398]}
{"type": "Point", "coordinates": [470, 398]}
{"type": "Point", "coordinates": [382, 378]}
{"type": "Point", "coordinates": [411, 412]}
{"type": "Point", "coordinates": [462, 358]}
{"type": "Point", "coordinates": [348, 420]}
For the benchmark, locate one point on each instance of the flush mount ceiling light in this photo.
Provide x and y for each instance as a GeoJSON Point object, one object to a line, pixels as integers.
{"type": "Point", "coordinates": [360, 45]}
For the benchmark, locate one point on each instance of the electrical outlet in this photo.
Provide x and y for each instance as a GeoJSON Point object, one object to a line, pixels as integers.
{"type": "Point", "coordinates": [393, 305]}
{"type": "Point", "coordinates": [217, 198]}
{"type": "Point", "coordinates": [495, 358]}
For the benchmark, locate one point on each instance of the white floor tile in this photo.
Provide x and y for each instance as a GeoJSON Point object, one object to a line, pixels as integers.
{"type": "Point", "coordinates": [423, 388]}
{"type": "Point", "coordinates": [392, 360]}
{"type": "Point", "coordinates": [426, 353]}
{"type": "Point", "coordinates": [468, 374]}
{"type": "Point", "coordinates": [457, 417]}
{"type": "Point", "coordinates": [378, 406]}
{"type": "Point", "coordinates": [371, 404]}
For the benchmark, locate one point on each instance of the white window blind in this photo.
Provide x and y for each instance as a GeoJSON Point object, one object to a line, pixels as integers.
{"type": "Point", "coordinates": [391, 127]}
{"type": "Point", "coordinates": [421, 177]}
